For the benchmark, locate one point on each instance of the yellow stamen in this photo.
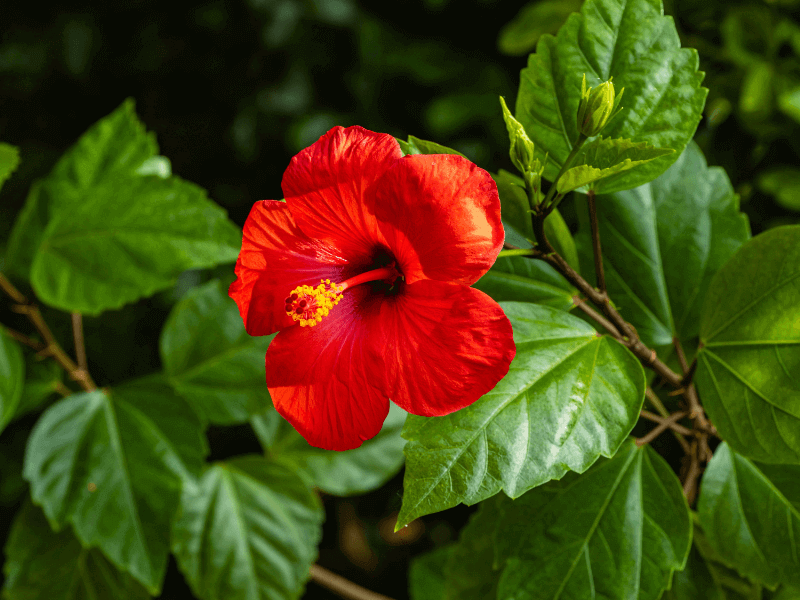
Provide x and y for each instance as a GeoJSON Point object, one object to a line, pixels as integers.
{"type": "Point", "coordinates": [308, 305]}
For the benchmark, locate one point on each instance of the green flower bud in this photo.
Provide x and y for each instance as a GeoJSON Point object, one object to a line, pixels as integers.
{"type": "Point", "coordinates": [598, 105]}
{"type": "Point", "coordinates": [521, 150]}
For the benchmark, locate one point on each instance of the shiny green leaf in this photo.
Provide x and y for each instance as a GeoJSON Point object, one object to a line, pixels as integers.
{"type": "Point", "coordinates": [750, 515]}
{"type": "Point", "coordinates": [128, 240]}
{"type": "Point", "coordinates": [415, 145]}
{"type": "Point", "coordinates": [570, 396]}
{"type": "Point", "coordinates": [470, 572]}
{"type": "Point", "coordinates": [604, 157]}
{"type": "Point", "coordinates": [663, 242]}
{"type": "Point", "coordinates": [633, 42]}
{"type": "Point", "coordinates": [696, 580]}
{"type": "Point", "coordinates": [346, 473]}
{"type": "Point", "coordinates": [618, 531]}
{"type": "Point", "coordinates": [520, 35]}
{"type": "Point", "coordinates": [12, 377]}
{"type": "Point", "coordinates": [111, 463]}
{"type": "Point", "coordinates": [748, 365]}
{"type": "Point", "coordinates": [42, 564]}
{"type": "Point", "coordinates": [248, 530]}
{"type": "Point", "coordinates": [522, 279]}
{"type": "Point", "coordinates": [211, 360]}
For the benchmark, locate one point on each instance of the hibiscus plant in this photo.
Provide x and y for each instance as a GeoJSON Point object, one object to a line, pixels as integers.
{"type": "Point", "coordinates": [401, 305]}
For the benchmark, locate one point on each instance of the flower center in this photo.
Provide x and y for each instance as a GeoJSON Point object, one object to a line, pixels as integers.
{"type": "Point", "coordinates": [307, 304]}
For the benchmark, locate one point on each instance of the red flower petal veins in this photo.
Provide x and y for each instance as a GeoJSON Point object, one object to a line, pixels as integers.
{"type": "Point", "coordinates": [327, 380]}
{"type": "Point", "coordinates": [276, 257]}
{"type": "Point", "coordinates": [328, 187]}
{"type": "Point", "coordinates": [440, 216]}
{"type": "Point", "coordinates": [445, 345]}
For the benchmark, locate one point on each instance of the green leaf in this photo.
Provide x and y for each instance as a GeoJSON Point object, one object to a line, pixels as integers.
{"type": "Point", "coordinates": [750, 514]}
{"type": "Point", "coordinates": [663, 242]}
{"type": "Point", "coordinates": [426, 575]}
{"type": "Point", "coordinates": [127, 241]}
{"type": "Point", "coordinates": [617, 532]}
{"type": "Point", "coordinates": [520, 35]}
{"type": "Point", "coordinates": [249, 530]}
{"type": "Point", "coordinates": [114, 148]}
{"type": "Point", "coordinates": [514, 206]}
{"type": "Point", "coordinates": [470, 572]}
{"type": "Point", "coordinates": [347, 473]}
{"type": "Point", "coordinates": [604, 157]}
{"type": "Point", "coordinates": [44, 564]}
{"type": "Point", "coordinates": [570, 396]}
{"type": "Point", "coordinates": [631, 41]}
{"type": "Point", "coordinates": [784, 184]}
{"type": "Point", "coordinates": [415, 145]}
{"type": "Point", "coordinates": [521, 279]}
{"type": "Point", "coordinates": [211, 360]}
{"type": "Point", "coordinates": [42, 380]}
{"type": "Point", "coordinates": [9, 161]}
{"type": "Point", "coordinates": [695, 581]}
{"type": "Point", "coordinates": [12, 377]}
{"type": "Point", "coordinates": [111, 463]}
{"type": "Point", "coordinates": [748, 365]}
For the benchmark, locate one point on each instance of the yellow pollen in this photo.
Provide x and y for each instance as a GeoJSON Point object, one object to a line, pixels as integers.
{"type": "Point", "coordinates": [308, 305]}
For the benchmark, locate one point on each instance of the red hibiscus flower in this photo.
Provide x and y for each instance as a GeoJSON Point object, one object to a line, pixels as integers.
{"type": "Point", "coordinates": [365, 272]}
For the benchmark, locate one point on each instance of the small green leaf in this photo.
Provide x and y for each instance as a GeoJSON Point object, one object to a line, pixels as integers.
{"type": "Point", "coordinates": [12, 378]}
{"type": "Point", "coordinates": [211, 360]}
{"type": "Point", "coordinates": [662, 243]}
{"type": "Point", "coordinates": [570, 396]}
{"type": "Point", "coordinates": [356, 471]}
{"type": "Point", "coordinates": [112, 464]}
{"type": "Point", "coordinates": [604, 157]}
{"type": "Point", "coordinates": [25, 237]}
{"type": "Point", "coordinates": [633, 42]}
{"type": "Point", "coordinates": [519, 36]}
{"type": "Point", "coordinates": [248, 530]}
{"type": "Point", "coordinates": [415, 145]}
{"type": "Point", "coordinates": [618, 531]}
{"type": "Point", "coordinates": [784, 184]}
{"type": "Point", "coordinates": [426, 575]}
{"type": "Point", "coordinates": [750, 514]}
{"type": "Point", "coordinates": [44, 564]}
{"type": "Point", "coordinates": [9, 161]}
{"type": "Point", "coordinates": [748, 364]}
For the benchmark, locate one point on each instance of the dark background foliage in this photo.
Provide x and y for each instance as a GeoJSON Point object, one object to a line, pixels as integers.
{"type": "Point", "coordinates": [233, 89]}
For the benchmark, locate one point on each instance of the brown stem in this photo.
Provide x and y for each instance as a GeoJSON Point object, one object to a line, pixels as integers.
{"type": "Point", "coordinates": [596, 249]}
{"type": "Point", "coordinates": [24, 339]}
{"type": "Point", "coordinates": [669, 421]}
{"type": "Point", "coordinates": [596, 316]}
{"type": "Point", "coordinates": [341, 586]}
{"type": "Point", "coordinates": [50, 346]}
{"type": "Point", "coordinates": [689, 375]}
{"type": "Point", "coordinates": [692, 474]}
{"type": "Point", "coordinates": [77, 334]}
{"type": "Point", "coordinates": [681, 356]}
{"type": "Point", "coordinates": [507, 246]}
{"type": "Point", "coordinates": [630, 338]}
{"type": "Point", "coordinates": [660, 428]}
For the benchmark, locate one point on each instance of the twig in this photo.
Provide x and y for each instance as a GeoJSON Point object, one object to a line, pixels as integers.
{"type": "Point", "coordinates": [341, 586]}
{"type": "Point", "coordinates": [50, 346]}
{"type": "Point", "coordinates": [692, 474]}
{"type": "Point", "coordinates": [607, 325]}
{"type": "Point", "coordinates": [660, 428]}
{"type": "Point", "coordinates": [689, 375]}
{"type": "Point", "coordinates": [681, 356]}
{"type": "Point", "coordinates": [24, 339]}
{"type": "Point", "coordinates": [671, 423]}
{"type": "Point", "coordinates": [596, 249]}
{"type": "Point", "coordinates": [77, 334]}
{"type": "Point", "coordinates": [656, 402]}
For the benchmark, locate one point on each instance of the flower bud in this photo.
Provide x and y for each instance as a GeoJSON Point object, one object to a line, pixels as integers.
{"type": "Point", "coordinates": [521, 150]}
{"type": "Point", "coordinates": [597, 106]}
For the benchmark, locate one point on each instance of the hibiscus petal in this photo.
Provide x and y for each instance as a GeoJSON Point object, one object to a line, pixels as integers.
{"type": "Point", "coordinates": [277, 257]}
{"type": "Point", "coordinates": [445, 346]}
{"type": "Point", "coordinates": [327, 380]}
{"type": "Point", "coordinates": [440, 216]}
{"type": "Point", "coordinates": [327, 187]}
